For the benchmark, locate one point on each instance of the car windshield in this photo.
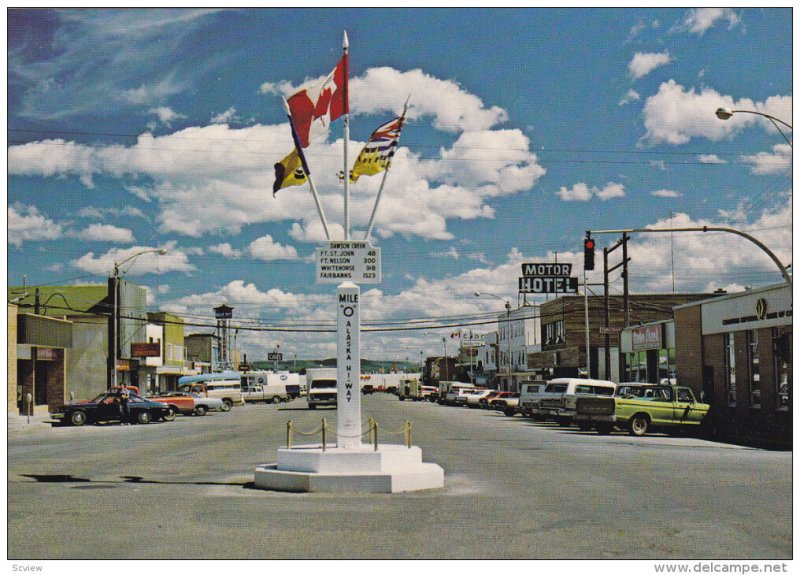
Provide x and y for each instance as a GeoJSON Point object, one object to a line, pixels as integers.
{"type": "Point", "coordinates": [556, 388]}
{"type": "Point", "coordinates": [323, 383]}
{"type": "Point", "coordinates": [193, 395]}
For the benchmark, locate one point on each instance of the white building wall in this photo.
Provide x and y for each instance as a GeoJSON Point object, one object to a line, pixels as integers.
{"type": "Point", "coordinates": [155, 334]}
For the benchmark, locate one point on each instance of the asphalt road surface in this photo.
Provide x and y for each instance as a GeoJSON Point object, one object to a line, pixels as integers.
{"type": "Point", "coordinates": [513, 489]}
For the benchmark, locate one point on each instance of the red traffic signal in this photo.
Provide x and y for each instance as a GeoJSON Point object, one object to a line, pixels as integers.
{"type": "Point", "coordinates": [588, 254]}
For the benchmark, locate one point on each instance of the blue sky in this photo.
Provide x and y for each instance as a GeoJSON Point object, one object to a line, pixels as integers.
{"type": "Point", "coordinates": [137, 129]}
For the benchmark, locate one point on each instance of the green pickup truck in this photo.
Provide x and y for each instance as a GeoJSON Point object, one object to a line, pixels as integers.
{"type": "Point", "coordinates": [645, 407]}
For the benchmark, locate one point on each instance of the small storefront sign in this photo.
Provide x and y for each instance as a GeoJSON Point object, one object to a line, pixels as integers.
{"type": "Point", "coordinates": [646, 337]}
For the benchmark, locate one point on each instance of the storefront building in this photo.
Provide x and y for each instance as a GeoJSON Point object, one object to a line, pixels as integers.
{"type": "Point", "coordinates": [649, 353]}
{"type": "Point", "coordinates": [564, 333]}
{"type": "Point", "coordinates": [40, 359]}
{"type": "Point", "coordinates": [739, 347]}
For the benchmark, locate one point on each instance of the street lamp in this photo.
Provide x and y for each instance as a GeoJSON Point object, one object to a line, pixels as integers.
{"type": "Point", "coordinates": [726, 113]}
{"type": "Point", "coordinates": [114, 331]}
{"type": "Point", "coordinates": [508, 327]}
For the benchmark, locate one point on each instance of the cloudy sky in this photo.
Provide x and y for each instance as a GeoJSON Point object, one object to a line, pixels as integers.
{"type": "Point", "coordinates": [131, 130]}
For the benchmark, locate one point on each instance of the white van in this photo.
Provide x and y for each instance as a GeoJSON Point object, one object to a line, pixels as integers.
{"type": "Point", "coordinates": [268, 386]}
{"type": "Point", "coordinates": [561, 396]}
{"type": "Point", "coordinates": [322, 388]}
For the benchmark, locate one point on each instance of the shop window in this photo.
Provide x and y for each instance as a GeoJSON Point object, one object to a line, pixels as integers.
{"type": "Point", "coordinates": [730, 368]}
{"type": "Point", "coordinates": [753, 363]}
{"type": "Point", "coordinates": [782, 354]}
{"type": "Point", "coordinates": [666, 365]}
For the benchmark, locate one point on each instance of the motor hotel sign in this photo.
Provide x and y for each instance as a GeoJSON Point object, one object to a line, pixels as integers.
{"type": "Point", "coordinates": [356, 262]}
{"type": "Point", "coordinates": [547, 278]}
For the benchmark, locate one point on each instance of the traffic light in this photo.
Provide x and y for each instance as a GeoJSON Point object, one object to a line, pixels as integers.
{"type": "Point", "coordinates": [588, 254]}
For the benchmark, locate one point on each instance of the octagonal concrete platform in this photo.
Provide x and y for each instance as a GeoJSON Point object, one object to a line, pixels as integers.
{"type": "Point", "coordinates": [390, 469]}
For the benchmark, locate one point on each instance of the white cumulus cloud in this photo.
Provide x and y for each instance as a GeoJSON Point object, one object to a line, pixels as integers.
{"type": "Point", "coordinates": [676, 114]}
{"type": "Point", "coordinates": [25, 223]}
{"type": "Point", "coordinates": [265, 248]}
{"type": "Point", "coordinates": [106, 233]}
{"type": "Point", "coordinates": [581, 192]}
{"type": "Point", "coordinates": [699, 20]}
{"type": "Point", "coordinates": [645, 62]}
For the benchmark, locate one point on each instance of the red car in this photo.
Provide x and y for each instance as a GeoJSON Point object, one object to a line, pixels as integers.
{"type": "Point", "coordinates": [179, 402]}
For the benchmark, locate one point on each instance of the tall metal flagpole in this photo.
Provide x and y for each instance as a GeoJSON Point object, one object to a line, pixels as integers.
{"type": "Point", "coordinates": [345, 46]}
{"type": "Point", "coordinates": [383, 182]}
{"type": "Point", "coordinates": [308, 172]}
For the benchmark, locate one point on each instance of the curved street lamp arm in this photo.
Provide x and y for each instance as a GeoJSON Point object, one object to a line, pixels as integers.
{"type": "Point", "coordinates": [772, 256]}
{"type": "Point", "coordinates": [772, 119]}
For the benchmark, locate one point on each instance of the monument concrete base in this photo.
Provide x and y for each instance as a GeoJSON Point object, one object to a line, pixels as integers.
{"type": "Point", "coordinates": [390, 469]}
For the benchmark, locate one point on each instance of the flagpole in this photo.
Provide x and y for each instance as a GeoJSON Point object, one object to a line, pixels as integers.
{"type": "Point", "coordinates": [345, 46]}
{"type": "Point", "coordinates": [308, 172]}
{"type": "Point", "coordinates": [383, 182]}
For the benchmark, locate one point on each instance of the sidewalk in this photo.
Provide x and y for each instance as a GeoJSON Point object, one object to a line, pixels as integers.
{"type": "Point", "coordinates": [19, 423]}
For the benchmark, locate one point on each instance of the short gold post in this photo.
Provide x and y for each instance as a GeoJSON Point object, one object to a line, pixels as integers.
{"type": "Point", "coordinates": [376, 436]}
{"type": "Point", "coordinates": [324, 433]}
{"type": "Point", "coordinates": [408, 434]}
{"type": "Point", "coordinates": [289, 434]}
{"type": "Point", "coordinates": [371, 428]}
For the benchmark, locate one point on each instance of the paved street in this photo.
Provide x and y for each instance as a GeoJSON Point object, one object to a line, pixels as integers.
{"type": "Point", "coordinates": [513, 489]}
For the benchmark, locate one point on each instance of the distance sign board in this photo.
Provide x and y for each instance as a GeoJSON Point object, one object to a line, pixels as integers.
{"type": "Point", "coordinates": [356, 262]}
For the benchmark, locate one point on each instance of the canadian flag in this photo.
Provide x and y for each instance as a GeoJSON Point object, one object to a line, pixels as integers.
{"type": "Point", "coordinates": [314, 108]}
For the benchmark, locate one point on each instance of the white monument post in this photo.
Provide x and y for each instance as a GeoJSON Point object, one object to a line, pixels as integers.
{"type": "Point", "coordinates": [351, 465]}
{"type": "Point", "coordinates": [348, 366]}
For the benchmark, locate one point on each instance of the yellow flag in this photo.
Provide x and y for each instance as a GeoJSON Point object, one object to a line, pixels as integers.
{"type": "Point", "coordinates": [379, 150]}
{"type": "Point", "coordinates": [289, 172]}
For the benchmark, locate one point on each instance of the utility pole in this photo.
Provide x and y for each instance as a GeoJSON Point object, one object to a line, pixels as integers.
{"type": "Point", "coordinates": [607, 300]}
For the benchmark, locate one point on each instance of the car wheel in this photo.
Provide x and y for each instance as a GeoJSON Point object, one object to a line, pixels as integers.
{"type": "Point", "coordinates": [144, 417]}
{"type": "Point", "coordinates": [312, 406]}
{"type": "Point", "coordinates": [584, 426]}
{"type": "Point", "coordinates": [77, 418]}
{"type": "Point", "coordinates": [276, 400]}
{"type": "Point", "coordinates": [638, 425]}
{"type": "Point", "coordinates": [170, 416]}
{"type": "Point", "coordinates": [200, 410]}
{"type": "Point", "coordinates": [509, 412]}
{"type": "Point", "coordinates": [226, 404]}
{"type": "Point", "coordinates": [604, 428]}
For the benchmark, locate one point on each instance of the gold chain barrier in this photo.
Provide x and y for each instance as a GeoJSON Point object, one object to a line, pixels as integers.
{"type": "Point", "coordinates": [372, 430]}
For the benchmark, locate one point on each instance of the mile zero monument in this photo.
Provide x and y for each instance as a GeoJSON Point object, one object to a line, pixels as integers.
{"type": "Point", "coordinates": [352, 465]}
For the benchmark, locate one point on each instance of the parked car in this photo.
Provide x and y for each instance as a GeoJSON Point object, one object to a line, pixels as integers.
{"type": "Point", "coordinates": [530, 394]}
{"type": "Point", "coordinates": [106, 407]}
{"type": "Point", "coordinates": [458, 394]}
{"type": "Point", "coordinates": [427, 392]}
{"type": "Point", "coordinates": [474, 396]}
{"type": "Point", "coordinates": [188, 403]}
{"type": "Point", "coordinates": [225, 385]}
{"type": "Point", "coordinates": [559, 404]}
{"type": "Point", "coordinates": [508, 404]}
{"type": "Point", "coordinates": [662, 406]}
{"type": "Point", "coordinates": [483, 402]}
